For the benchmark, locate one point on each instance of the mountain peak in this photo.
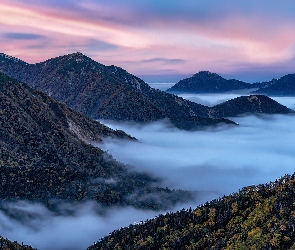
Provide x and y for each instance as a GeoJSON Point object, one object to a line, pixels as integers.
{"type": "Point", "coordinates": [5, 57]}
{"type": "Point", "coordinates": [206, 73]}
{"type": "Point", "coordinates": [207, 82]}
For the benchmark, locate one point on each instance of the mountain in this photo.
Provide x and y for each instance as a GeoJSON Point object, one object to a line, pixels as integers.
{"type": "Point", "coordinates": [106, 92]}
{"type": "Point", "coordinates": [46, 156]}
{"type": "Point", "coordinates": [285, 86]}
{"type": "Point", "coordinates": [207, 82]}
{"type": "Point", "coordinates": [109, 92]}
{"type": "Point", "coordinates": [253, 104]}
{"type": "Point", "coordinates": [256, 217]}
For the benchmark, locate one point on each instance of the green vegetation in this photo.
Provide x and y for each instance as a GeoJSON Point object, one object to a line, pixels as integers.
{"type": "Point", "coordinates": [257, 217]}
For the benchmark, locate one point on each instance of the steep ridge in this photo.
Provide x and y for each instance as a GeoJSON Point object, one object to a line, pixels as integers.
{"type": "Point", "coordinates": [46, 157]}
{"type": "Point", "coordinates": [207, 82]}
{"type": "Point", "coordinates": [244, 105]}
{"type": "Point", "coordinates": [106, 92]}
{"type": "Point", "coordinates": [256, 217]}
{"type": "Point", "coordinates": [285, 86]}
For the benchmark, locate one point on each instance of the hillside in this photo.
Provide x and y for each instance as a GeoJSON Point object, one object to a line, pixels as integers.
{"type": "Point", "coordinates": [106, 92]}
{"type": "Point", "coordinates": [244, 105]}
{"type": "Point", "coordinates": [285, 86]}
{"type": "Point", "coordinates": [46, 156]}
{"type": "Point", "coordinates": [6, 244]}
{"type": "Point", "coordinates": [257, 217]}
{"type": "Point", "coordinates": [207, 82]}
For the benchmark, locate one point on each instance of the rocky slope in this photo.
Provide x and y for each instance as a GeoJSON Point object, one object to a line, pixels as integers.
{"type": "Point", "coordinates": [257, 217]}
{"type": "Point", "coordinates": [207, 82]}
{"type": "Point", "coordinates": [106, 92]}
{"type": "Point", "coordinates": [244, 105]}
{"type": "Point", "coordinates": [285, 86]}
{"type": "Point", "coordinates": [46, 157]}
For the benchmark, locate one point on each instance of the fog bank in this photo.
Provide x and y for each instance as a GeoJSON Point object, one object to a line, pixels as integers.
{"type": "Point", "coordinates": [213, 162]}
{"type": "Point", "coordinates": [35, 225]}
{"type": "Point", "coordinates": [222, 161]}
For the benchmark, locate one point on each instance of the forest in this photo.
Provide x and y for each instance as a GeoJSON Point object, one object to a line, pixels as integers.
{"type": "Point", "coordinates": [256, 217]}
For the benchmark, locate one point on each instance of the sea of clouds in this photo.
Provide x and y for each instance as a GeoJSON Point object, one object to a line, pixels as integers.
{"type": "Point", "coordinates": [213, 162]}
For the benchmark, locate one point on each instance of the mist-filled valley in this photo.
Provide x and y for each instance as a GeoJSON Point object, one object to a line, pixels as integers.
{"type": "Point", "coordinates": [212, 162]}
{"type": "Point", "coordinates": [215, 161]}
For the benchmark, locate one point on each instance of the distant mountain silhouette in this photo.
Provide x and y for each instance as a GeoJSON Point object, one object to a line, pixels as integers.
{"type": "Point", "coordinates": [207, 82]}
{"type": "Point", "coordinates": [46, 157]}
{"type": "Point", "coordinates": [285, 86]}
{"type": "Point", "coordinates": [106, 92]}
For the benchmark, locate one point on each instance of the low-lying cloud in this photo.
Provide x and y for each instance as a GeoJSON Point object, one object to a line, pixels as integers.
{"type": "Point", "coordinates": [261, 149]}
{"type": "Point", "coordinates": [212, 162]}
{"type": "Point", "coordinates": [75, 227]}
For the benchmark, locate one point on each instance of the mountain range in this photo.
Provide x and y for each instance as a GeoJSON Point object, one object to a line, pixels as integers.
{"type": "Point", "coordinates": [207, 82]}
{"type": "Point", "coordinates": [110, 92]}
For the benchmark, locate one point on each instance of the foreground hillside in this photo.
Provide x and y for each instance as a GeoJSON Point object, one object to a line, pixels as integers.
{"type": "Point", "coordinates": [46, 157]}
{"type": "Point", "coordinates": [257, 217]}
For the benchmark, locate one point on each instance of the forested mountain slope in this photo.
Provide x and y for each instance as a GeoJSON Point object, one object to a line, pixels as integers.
{"type": "Point", "coordinates": [106, 92]}
{"type": "Point", "coordinates": [46, 157]}
{"type": "Point", "coordinates": [257, 217]}
{"type": "Point", "coordinates": [110, 92]}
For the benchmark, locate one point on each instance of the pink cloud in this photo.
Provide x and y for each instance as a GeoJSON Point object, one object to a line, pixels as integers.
{"type": "Point", "coordinates": [134, 34]}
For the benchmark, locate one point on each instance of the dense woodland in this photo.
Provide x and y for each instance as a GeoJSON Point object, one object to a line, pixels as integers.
{"type": "Point", "coordinates": [107, 92]}
{"type": "Point", "coordinates": [256, 217]}
{"type": "Point", "coordinates": [46, 156]}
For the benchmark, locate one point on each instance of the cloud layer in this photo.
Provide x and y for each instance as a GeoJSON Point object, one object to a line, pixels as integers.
{"type": "Point", "coordinates": [221, 161]}
{"type": "Point", "coordinates": [230, 37]}
{"type": "Point", "coordinates": [212, 162]}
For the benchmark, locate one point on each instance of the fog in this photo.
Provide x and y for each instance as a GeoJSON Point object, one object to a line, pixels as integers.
{"type": "Point", "coordinates": [214, 162]}
{"type": "Point", "coordinates": [221, 161]}
{"type": "Point", "coordinates": [35, 225]}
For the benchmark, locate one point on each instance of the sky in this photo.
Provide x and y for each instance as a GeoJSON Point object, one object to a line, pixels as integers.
{"type": "Point", "coordinates": [160, 41]}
